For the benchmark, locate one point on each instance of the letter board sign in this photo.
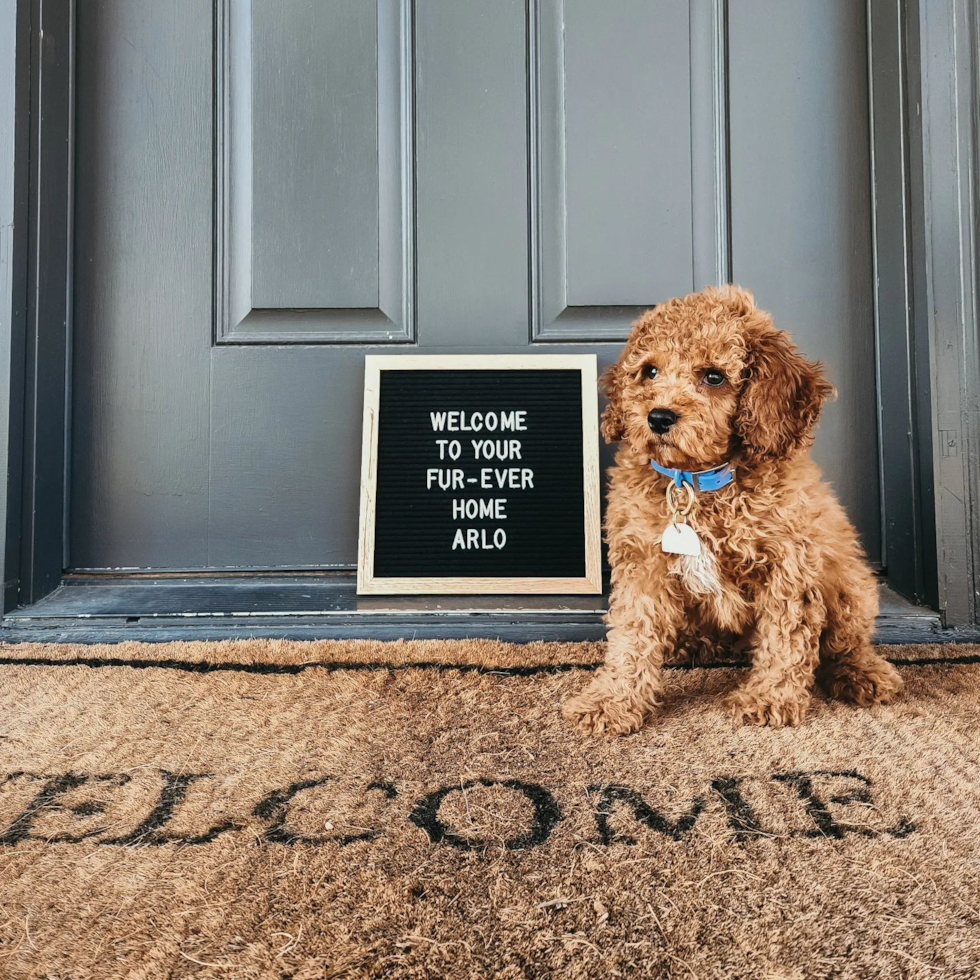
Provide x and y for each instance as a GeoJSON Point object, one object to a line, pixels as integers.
{"type": "Point", "coordinates": [480, 474]}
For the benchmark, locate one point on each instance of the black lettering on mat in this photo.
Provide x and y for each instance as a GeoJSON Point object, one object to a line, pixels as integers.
{"type": "Point", "coordinates": [274, 808]}
{"type": "Point", "coordinates": [49, 798]}
{"type": "Point", "coordinates": [612, 796]}
{"type": "Point", "coordinates": [148, 831]}
{"type": "Point", "coordinates": [819, 810]}
{"type": "Point", "coordinates": [52, 798]}
{"type": "Point", "coordinates": [546, 815]}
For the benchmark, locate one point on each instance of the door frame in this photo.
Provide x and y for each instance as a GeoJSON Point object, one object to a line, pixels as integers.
{"type": "Point", "coordinates": [36, 179]}
{"type": "Point", "coordinates": [925, 232]}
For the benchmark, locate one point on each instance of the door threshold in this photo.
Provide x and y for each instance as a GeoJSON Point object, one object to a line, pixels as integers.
{"type": "Point", "coordinates": [108, 609]}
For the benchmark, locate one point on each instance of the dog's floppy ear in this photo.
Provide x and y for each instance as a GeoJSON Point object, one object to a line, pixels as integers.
{"type": "Point", "coordinates": [782, 392]}
{"type": "Point", "coordinates": [613, 426]}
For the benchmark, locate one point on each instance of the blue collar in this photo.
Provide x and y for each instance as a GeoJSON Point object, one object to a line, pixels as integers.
{"type": "Point", "coordinates": [713, 479]}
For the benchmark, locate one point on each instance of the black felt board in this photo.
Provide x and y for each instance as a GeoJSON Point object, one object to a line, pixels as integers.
{"type": "Point", "coordinates": [415, 527]}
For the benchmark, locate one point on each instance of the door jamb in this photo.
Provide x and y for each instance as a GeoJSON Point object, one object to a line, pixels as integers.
{"type": "Point", "coordinates": [39, 86]}
{"type": "Point", "coordinates": [15, 89]}
{"type": "Point", "coordinates": [944, 37]}
{"type": "Point", "coordinates": [904, 515]}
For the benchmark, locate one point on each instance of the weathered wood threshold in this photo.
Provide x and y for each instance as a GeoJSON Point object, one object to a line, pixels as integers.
{"type": "Point", "coordinates": [104, 608]}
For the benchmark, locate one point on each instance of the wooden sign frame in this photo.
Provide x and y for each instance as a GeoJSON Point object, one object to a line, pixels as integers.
{"type": "Point", "coordinates": [590, 584]}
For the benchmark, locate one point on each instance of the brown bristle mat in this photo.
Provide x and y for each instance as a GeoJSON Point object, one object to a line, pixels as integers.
{"type": "Point", "coordinates": [303, 811]}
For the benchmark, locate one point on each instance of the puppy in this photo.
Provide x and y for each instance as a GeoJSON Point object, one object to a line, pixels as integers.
{"type": "Point", "coordinates": [719, 524]}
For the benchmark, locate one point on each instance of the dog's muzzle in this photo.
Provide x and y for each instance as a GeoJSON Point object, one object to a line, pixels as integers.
{"type": "Point", "coordinates": [661, 419]}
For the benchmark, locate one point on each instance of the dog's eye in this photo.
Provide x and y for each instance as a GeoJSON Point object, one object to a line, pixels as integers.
{"type": "Point", "coordinates": [649, 370]}
{"type": "Point", "coordinates": [713, 377]}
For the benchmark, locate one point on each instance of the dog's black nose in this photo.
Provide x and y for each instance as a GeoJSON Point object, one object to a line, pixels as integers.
{"type": "Point", "coordinates": [661, 419]}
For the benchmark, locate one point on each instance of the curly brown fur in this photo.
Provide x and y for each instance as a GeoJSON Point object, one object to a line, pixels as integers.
{"type": "Point", "coordinates": [792, 580]}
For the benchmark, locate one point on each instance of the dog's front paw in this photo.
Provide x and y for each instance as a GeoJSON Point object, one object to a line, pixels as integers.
{"type": "Point", "coordinates": [864, 682]}
{"type": "Point", "coordinates": [596, 712]}
{"type": "Point", "coordinates": [754, 708]}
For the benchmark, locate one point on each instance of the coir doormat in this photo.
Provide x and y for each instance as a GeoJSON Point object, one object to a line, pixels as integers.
{"type": "Point", "coordinates": [331, 810]}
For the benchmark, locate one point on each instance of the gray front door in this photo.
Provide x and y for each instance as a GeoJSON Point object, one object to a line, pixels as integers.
{"type": "Point", "coordinates": [267, 190]}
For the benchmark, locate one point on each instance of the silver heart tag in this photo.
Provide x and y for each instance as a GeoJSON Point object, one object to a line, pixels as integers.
{"type": "Point", "coordinates": [680, 539]}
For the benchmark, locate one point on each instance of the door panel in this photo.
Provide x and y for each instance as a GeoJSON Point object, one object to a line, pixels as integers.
{"type": "Point", "coordinates": [314, 183]}
{"type": "Point", "coordinates": [624, 119]}
{"type": "Point", "coordinates": [142, 281]}
{"type": "Point", "coordinates": [626, 70]}
{"type": "Point", "coordinates": [801, 212]}
{"type": "Point", "coordinates": [285, 456]}
{"type": "Point", "coordinates": [620, 78]}
{"type": "Point", "coordinates": [314, 98]}
{"type": "Point", "coordinates": [471, 135]}
{"type": "Point", "coordinates": [447, 174]}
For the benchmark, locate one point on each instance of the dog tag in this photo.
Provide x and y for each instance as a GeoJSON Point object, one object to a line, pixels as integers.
{"type": "Point", "coordinates": [680, 539]}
